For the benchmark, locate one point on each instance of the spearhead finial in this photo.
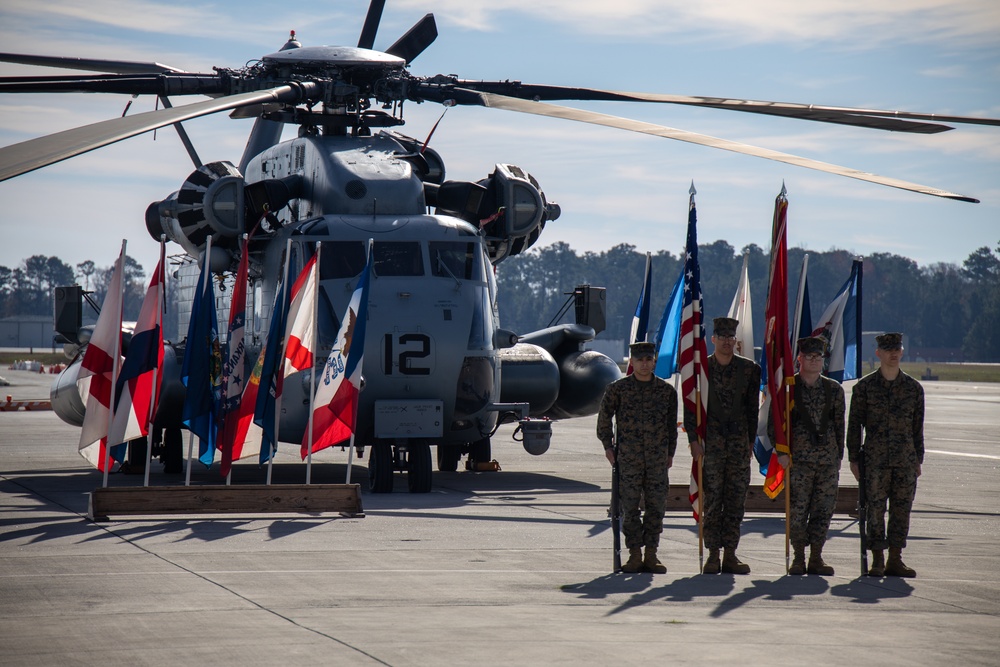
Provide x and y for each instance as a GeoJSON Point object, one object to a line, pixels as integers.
{"type": "Point", "coordinates": [692, 191]}
{"type": "Point", "coordinates": [784, 191]}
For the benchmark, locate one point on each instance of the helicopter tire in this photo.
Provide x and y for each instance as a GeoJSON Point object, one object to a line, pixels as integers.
{"type": "Point", "coordinates": [380, 468]}
{"type": "Point", "coordinates": [418, 468]}
{"type": "Point", "coordinates": [448, 457]}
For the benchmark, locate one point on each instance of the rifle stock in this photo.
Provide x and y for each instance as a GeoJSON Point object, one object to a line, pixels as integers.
{"type": "Point", "coordinates": [616, 516]}
{"type": "Point", "coordinates": [863, 511]}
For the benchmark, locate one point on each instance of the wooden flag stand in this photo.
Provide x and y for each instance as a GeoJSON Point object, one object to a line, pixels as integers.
{"type": "Point", "coordinates": [110, 502]}
{"type": "Point", "coordinates": [757, 500]}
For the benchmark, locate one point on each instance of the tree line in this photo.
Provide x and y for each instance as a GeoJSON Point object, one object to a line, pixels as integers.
{"type": "Point", "coordinates": [948, 312]}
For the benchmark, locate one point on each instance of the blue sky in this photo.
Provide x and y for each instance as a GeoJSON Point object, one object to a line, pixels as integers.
{"type": "Point", "coordinates": [940, 56]}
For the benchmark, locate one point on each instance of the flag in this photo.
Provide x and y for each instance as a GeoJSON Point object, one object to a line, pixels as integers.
{"type": "Point", "coordinates": [233, 371]}
{"type": "Point", "coordinates": [98, 372]}
{"type": "Point", "coordinates": [335, 403]}
{"type": "Point", "coordinates": [840, 326]}
{"type": "Point", "coordinates": [803, 312]}
{"type": "Point", "coordinates": [669, 332]}
{"type": "Point", "coordinates": [138, 386]}
{"type": "Point", "coordinates": [777, 349]}
{"type": "Point", "coordinates": [693, 352]}
{"type": "Point", "coordinates": [640, 321]}
{"type": "Point", "coordinates": [201, 371]}
{"type": "Point", "coordinates": [270, 376]}
{"type": "Point", "coordinates": [763, 448]}
{"type": "Point", "coordinates": [300, 331]}
{"type": "Point", "coordinates": [742, 310]}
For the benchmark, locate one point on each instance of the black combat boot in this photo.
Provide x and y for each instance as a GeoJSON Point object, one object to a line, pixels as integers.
{"type": "Point", "coordinates": [798, 567]}
{"type": "Point", "coordinates": [895, 567]}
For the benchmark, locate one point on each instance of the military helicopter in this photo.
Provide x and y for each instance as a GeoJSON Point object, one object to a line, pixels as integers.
{"type": "Point", "coordinates": [439, 355]}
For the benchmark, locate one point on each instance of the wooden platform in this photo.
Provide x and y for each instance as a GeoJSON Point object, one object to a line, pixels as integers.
{"type": "Point", "coordinates": [109, 502]}
{"type": "Point", "coordinates": [757, 501]}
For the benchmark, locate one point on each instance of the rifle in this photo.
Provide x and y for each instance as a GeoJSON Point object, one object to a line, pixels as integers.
{"type": "Point", "coordinates": [616, 515]}
{"type": "Point", "coordinates": [862, 512]}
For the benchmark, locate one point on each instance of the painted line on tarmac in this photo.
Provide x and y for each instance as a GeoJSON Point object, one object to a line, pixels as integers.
{"type": "Point", "coordinates": [974, 456]}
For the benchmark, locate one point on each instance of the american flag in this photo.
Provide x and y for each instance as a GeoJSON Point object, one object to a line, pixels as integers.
{"type": "Point", "coordinates": [693, 352]}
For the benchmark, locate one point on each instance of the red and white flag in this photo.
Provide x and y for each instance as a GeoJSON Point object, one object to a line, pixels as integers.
{"type": "Point", "coordinates": [300, 332]}
{"type": "Point", "coordinates": [335, 403]}
{"type": "Point", "coordinates": [99, 370]}
{"type": "Point", "coordinates": [138, 387]}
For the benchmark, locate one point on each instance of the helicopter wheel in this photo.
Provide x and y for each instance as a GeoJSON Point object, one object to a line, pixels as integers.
{"type": "Point", "coordinates": [447, 457]}
{"type": "Point", "coordinates": [418, 468]}
{"type": "Point", "coordinates": [380, 468]}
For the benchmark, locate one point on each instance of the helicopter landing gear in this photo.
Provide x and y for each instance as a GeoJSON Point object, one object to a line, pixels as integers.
{"type": "Point", "coordinates": [418, 468]}
{"type": "Point", "coordinates": [448, 457]}
{"type": "Point", "coordinates": [480, 452]}
{"type": "Point", "coordinates": [380, 468]}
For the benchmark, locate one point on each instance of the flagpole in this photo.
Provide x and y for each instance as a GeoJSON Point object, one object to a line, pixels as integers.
{"type": "Point", "coordinates": [788, 479]}
{"type": "Point", "coordinates": [152, 399]}
{"type": "Point", "coordinates": [277, 401]}
{"type": "Point", "coordinates": [701, 491]}
{"type": "Point", "coordinates": [857, 310]}
{"type": "Point", "coordinates": [190, 456]}
{"type": "Point", "coordinates": [799, 306]}
{"type": "Point", "coordinates": [312, 371]}
{"type": "Point", "coordinates": [115, 363]}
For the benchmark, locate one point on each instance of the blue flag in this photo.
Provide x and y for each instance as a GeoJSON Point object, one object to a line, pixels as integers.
{"type": "Point", "coordinates": [669, 331]}
{"type": "Point", "coordinates": [840, 326]}
{"type": "Point", "coordinates": [270, 376]}
{"type": "Point", "coordinates": [201, 372]}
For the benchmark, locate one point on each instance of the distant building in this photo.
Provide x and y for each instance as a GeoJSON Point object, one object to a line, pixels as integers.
{"type": "Point", "coordinates": [26, 331]}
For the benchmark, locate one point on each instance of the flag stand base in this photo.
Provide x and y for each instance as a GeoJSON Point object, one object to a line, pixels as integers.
{"type": "Point", "coordinates": [757, 500]}
{"type": "Point", "coordinates": [107, 503]}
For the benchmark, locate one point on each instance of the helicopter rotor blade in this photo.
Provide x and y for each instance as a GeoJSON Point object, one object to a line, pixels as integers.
{"type": "Point", "coordinates": [36, 153]}
{"type": "Point", "coordinates": [129, 84]}
{"type": "Point", "coordinates": [372, 19]}
{"type": "Point", "coordinates": [89, 64]}
{"type": "Point", "coordinates": [881, 119]}
{"type": "Point", "coordinates": [419, 37]}
{"type": "Point", "coordinates": [555, 111]}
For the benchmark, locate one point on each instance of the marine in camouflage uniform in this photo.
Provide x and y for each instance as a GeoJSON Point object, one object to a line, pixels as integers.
{"type": "Point", "coordinates": [888, 406]}
{"type": "Point", "coordinates": [643, 408]}
{"type": "Point", "coordinates": [733, 402]}
{"type": "Point", "coordinates": [817, 447]}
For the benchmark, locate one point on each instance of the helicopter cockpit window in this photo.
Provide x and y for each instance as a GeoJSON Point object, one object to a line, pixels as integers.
{"type": "Point", "coordinates": [398, 258]}
{"type": "Point", "coordinates": [342, 259]}
{"type": "Point", "coordinates": [452, 259]}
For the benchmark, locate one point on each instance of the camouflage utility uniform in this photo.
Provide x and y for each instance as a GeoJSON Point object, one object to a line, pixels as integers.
{"type": "Point", "coordinates": [817, 450]}
{"type": "Point", "coordinates": [733, 401]}
{"type": "Point", "coordinates": [892, 417]}
{"type": "Point", "coordinates": [645, 415]}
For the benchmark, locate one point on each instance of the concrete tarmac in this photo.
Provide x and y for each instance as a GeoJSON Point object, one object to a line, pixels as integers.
{"type": "Point", "coordinates": [505, 568]}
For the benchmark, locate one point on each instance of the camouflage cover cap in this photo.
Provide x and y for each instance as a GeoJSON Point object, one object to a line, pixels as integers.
{"type": "Point", "coordinates": [724, 326]}
{"type": "Point", "coordinates": [639, 350]}
{"type": "Point", "coordinates": [890, 341]}
{"type": "Point", "coordinates": [812, 345]}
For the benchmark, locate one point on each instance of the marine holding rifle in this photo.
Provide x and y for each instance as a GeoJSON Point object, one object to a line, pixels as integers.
{"type": "Point", "coordinates": [643, 410]}
{"type": "Point", "coordinates": [733, 401]}
{"type": "Point", "coordinates": [817, 447]}
{"type": "Point", "coordinates": [887, 407]}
